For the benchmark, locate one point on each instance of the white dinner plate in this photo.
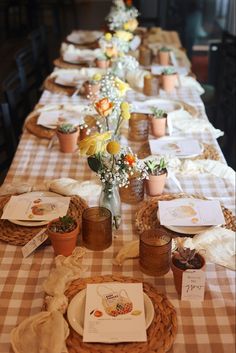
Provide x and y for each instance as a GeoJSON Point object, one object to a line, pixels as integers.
{"type": "Point", "coordinates": [186, 229]}
{"type": "Point", "coordinates": [33, 223]}
{"type": "Point", "coordinates": [76, 309]}
{"type": "Point", "coordinates": [166, 104]}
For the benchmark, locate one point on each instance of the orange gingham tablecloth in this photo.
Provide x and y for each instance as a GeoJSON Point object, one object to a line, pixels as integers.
{"type": "Point", "coordinates": [206, 327]}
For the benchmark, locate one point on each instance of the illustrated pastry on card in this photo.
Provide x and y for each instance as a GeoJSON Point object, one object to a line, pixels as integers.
{"type": "Point", "coordinates": [183, 211]}
{"type": "Point", "coordinates": [42, 209]}
{"type": "Point", "coordinates": [173, 147]}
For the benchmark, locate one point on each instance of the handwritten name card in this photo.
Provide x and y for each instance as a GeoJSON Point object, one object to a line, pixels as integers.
{"type": "Point", "coordinates": [193, 285]}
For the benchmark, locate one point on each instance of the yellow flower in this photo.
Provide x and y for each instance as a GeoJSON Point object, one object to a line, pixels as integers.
{"type": "Point", "coordinates": [131, 25]}
{"type": "Point", "coordinates": [121, 85]}
{"type": "Point", "coordinates": [94, 144]}
{"type": "Point", "coordinates": [124, 35]}
{"type": "Point", "coordinates": [104, 107]}
{"type": "Point", "coordinates": [124, 107]}
{"type": "Point", "coordinates": [113, 147]}
{"type": "Point", "coordinates": [97, 77]}
{"type": "Point", "coordinates": [125, 115]}
{"type": "Point", "coordinates": [108, 36]}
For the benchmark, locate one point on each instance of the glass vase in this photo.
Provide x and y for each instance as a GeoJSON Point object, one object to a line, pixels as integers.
{"type": "Point", "coordinates": [110, 198]}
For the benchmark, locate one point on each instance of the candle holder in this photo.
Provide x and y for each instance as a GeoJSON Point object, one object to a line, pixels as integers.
{"type": "Point", "coordinates": [155, 252]}
{"type": "Point", "coordinates": [97, 228]}
{"type": "Point", "coordinates": [138, 127]}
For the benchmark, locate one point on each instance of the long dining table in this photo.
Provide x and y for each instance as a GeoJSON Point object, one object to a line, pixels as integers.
{"type": "Point", "coordinates": [203, 327]}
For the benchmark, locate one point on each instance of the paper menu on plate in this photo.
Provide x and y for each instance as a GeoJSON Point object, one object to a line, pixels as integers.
{"type": "Point", "coordinates": [190, 212]}
{"type": "Point", "coordinates": [56, 117]}
{"type": "Point", "coordinates": [33, 208]}
{"type": "Point", "coordinates": [182, 147]}
{"type": "Point", "coordinates": [114, 312]}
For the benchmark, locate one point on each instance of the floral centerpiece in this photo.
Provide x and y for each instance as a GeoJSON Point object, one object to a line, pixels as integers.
{"type": "Point", "coordinates": [123, 16]}
{"type": "Point", "coordinates": [113, 164]}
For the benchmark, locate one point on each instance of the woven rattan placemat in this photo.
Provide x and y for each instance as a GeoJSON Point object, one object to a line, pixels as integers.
{"type": "Point", "coordinates": [53, 87]}
{"type": "Point", "coordinates": [19, 235]}
{"type": "Point", "coordinates": [209, 152]}
{"type": "Point", "coordinates": [59, 62]}
{"type": "Point", "coordinates": [146, 216]}
{"type": "Point", "coordinates": [38, 130]}
{"type": "Point", "coordinates": [161, 333]}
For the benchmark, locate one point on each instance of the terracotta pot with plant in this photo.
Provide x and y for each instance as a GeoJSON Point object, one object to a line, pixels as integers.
{"type": "Point", "coordinates": [158, 122]}
{"type": "Point", "coordinates": [63, 233]}
{"type": "Point", "coordinates": [68, 137]}
{"type": "Point", "coordinates": [157, 177]}
{"type": "Point", "coordinates": [169, 79]}
{"type": "Point", "coordinates": [164, 56]}
{"type": "Point", "coordinates": [103, 61]}
{"type": "Point", "coordinates": [182, 260]}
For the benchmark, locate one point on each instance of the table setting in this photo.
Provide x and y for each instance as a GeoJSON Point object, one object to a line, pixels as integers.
{"type": "Point", "coordinates": [89, 245]}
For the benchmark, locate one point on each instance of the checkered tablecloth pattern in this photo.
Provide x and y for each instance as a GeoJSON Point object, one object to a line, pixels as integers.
{"type": "Point", "coordinates": [206, 327]}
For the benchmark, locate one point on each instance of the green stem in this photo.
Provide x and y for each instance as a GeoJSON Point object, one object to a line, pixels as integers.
{"type": "Point", "coordinates": [118, 125]}
{"type": "Point", "coordinates": [107, 123]}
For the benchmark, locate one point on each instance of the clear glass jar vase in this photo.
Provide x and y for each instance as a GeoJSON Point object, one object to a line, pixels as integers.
{"type": "Point", "coordinates": [110, 198]}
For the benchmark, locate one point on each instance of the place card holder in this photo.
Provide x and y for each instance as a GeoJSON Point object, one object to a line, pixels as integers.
{"type": "Point", "coordinates": [155, 252]}
{"type": "Point", "coordinates": [151, 85]}
{"type": "Point", "coordinates": [145, 56]}
{"type": "Point", "coordinates": [138, 127]}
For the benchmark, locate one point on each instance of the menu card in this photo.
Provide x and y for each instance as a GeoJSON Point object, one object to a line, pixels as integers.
{"type": "Point", "coordinates": [178, 148]}
{"type": "Point", "coordinates": [53, 118]}
{"type": "Point", "coordinates": [190, 212]}
{"type": "Point", "coordinates": [114, 312]}
{"type": "Point", "coordinates": [31, 208]}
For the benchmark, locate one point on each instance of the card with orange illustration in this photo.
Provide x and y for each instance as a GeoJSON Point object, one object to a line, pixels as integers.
{"type": "Point", "coordinates": [190, 212]}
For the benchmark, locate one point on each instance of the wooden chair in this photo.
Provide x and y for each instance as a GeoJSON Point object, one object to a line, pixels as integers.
{"type": "Point", "coordinates": [40, 51]}
{"type": "Point", "coordinates": [7, 140]}
{"type": "Point", "coordinates": [17, 99]}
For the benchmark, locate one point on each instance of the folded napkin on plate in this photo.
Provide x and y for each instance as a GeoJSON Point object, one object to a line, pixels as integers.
{"type": "Point", "coordinates": [218, 245]}
{"type": "Point", "coordinates": [70, 53]}
{"type": "Point", "coordinates": [44, 332]}
{"type": "Point", "coordinates": [67, 269]}
{"type": "Point", "coordinates": [63, 186]}
{"type": "Point", "coordinates": [184, 122]}
{"type": "Point", "coordinates": [128, 251]}
{"type": "Point", "coordinates": [84, 36]}
{"type": "Point", "coordinates": [136, 78]}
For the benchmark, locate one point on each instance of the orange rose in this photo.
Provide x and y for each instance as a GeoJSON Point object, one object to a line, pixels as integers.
{"type": "Point", "coordinates": [110, 52]}
{"type": "Point", "coordinates": [130, 159]}
{"type": "Point", "coordinates": [104, 107]}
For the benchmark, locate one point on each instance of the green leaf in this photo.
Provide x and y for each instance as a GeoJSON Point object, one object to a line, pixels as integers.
{"type": "Point", "coordinates": [94, 164]}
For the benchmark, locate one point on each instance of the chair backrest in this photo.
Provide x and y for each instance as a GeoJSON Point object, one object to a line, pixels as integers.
{"type": "Point", "coordinates": [7, 137]}
{"type": "Point", "coordinates": [38, 40]}
{"type": "Point", "coordinates": [17, 99]}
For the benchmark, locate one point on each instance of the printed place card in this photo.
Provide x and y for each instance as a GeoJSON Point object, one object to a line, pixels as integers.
{"type": "Point", "coordinates": [178, 148]}
{"type": "Point", "coordinates": [193, 285]}
{"type": "Point", "coordinates": [55, 117]}
{"type": "Point", "coordinates": [191, 212]}
{"type": "Point", "coordinates": [114, 312]}
{"type": "Point", "coordinates": [34, 243]}
{"type": "Point", "coordinates": [29, 208]}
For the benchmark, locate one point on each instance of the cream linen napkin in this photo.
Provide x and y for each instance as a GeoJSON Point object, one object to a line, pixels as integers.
{"type": "Point", "coordinates": [187, 81]}
{"type": "Point", "coordinates": [44, 332]}
{"type": "Point", "coordinates": [72, 54]}
{"type": "Point", "coordinates": [136, 78]}
{"type": "Point", "coordinates": [217, 245]}
{"type": "Point", "coordinates": [67, 269]}
{"type": "Point", "coordinates": [128, 251]}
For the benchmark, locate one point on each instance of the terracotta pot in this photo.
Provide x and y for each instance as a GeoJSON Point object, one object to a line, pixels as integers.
{"type": "Point", "coordinates": [103, 64]}
{"type": "Point", "coordinates": [68, 142]}
{"type": "Point", "coordinates": [158, 126]}
{"type": "Point", "coordinates": [155, 184]}
{"type": "Point", "coordinates": [169, 82]}
{"type": "Point", "coordinates": [63, 243]}
{"type": "Point", "coordinates": [91, 89]}
{"type": "Point", "coordinates": [164, 58]}
{"type": "Point", "coordinates": [178, 273]}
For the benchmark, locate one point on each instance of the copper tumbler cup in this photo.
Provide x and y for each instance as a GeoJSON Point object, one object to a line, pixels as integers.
{"type": "Point", "coordinates": [155, 252]}
{"type": "Point", "coordinates": [97, 228]}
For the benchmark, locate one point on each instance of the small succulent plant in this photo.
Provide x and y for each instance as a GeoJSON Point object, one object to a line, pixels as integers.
{"type": "Point", "coordinates": [186, 258]}
{"type": "Point", "coordinates": [165, 49]}
{"type": "Point", "coordinates": [169, 71]}
{"type": "Point", "coordinates": [66, 128]}
{"type": "Point", "coordinates": [156, 168]}
{"type": "Point", "coordinates": [158, 113]}
{"type": "Point", "coordinates": [64, 224]}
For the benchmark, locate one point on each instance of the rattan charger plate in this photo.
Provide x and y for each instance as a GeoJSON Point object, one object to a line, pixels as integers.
{"type": "Point", "coordinates": [19, 235]}
{"type": "Point", "coordinates": [146, 216]}
{"type": "Point", "coordinates": [160, 335]}
{"type": "Point", "coordinates": [59, 62]}
{"type": "Point", "coordinates": [209, 152]}
{"type": "Point", "coordinates": [50, 85]}
{"type": "Point", "coordinates": [38, 130]}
